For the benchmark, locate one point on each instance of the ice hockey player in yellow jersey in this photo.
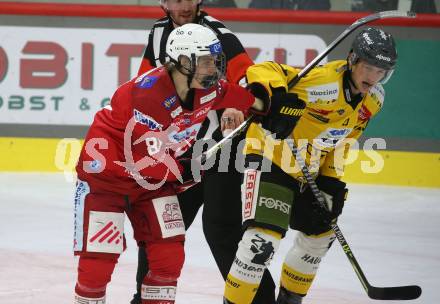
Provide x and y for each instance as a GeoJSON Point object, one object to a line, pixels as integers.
{"type": "Point", "coordinates": [330, 104]}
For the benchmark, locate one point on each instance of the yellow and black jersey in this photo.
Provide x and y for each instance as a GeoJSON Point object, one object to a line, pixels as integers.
{"type": "Point", "coordinates": [332, 114]}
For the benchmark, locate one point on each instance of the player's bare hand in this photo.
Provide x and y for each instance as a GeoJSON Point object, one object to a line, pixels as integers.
{"type": "Point", "coordinates": [231, 119]}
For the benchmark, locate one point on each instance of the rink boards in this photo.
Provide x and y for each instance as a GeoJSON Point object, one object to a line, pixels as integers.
{"type": "Point", "coordinates": [399, 167]}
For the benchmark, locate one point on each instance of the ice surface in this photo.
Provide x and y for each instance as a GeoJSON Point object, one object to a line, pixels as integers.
{"type": "Point", "coordinates": [393, 231]}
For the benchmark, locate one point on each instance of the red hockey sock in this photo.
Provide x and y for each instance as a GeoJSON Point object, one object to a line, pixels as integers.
{"type": "Point", "coordinates": [93, 276]}
{"type": "Point", "coordinates": [165, 261]}
{"type": "Point", "coordinates": [157, 290]}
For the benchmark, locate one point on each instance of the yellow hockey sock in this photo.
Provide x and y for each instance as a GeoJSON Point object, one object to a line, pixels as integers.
{"type": "Point", "coordinates": [296, 281]}
{"type": "Point", "coordinates": [239, 292]}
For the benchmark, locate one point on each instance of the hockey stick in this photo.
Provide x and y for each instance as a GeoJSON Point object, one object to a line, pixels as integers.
{"type": "Point", "coordinates": [211, 151]}
{"type": "Point", "coordinates": [308, 67]}
{"type": "Point", "coordinates": [348, 31]}
{"type": "Point", "coordinates": [378, 293]}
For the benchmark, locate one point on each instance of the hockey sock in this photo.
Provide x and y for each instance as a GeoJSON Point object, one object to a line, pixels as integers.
{"type": "Point", "coordinates": [302, 261]}
{"type": "Point", "coordinates": [157, 290]}
{"type": "Point", "coordinates": [93, 276]}
{"type": "Point", "coordinates": [83, 300]}
{"type": "Point", "coordinates": [160, 284]}
{"type": "Point", "coordinates": [255, 251]}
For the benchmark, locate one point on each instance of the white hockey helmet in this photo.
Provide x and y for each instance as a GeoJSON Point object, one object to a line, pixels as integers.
{"type": "Point", "coordinates": [194, 41]}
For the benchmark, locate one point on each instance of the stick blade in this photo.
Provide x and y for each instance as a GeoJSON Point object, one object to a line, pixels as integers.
{"type": "Point", "coordinates": [395, 293]}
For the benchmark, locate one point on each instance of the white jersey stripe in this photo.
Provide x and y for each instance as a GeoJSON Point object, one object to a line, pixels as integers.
{"type": "Point", "coordinates": [157, 37]}
{"type": "Point", "coordinates": [224, 30]}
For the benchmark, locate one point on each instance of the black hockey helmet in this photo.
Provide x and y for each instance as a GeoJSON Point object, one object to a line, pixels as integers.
{"type": "Point", "coordinates": [375, 47]}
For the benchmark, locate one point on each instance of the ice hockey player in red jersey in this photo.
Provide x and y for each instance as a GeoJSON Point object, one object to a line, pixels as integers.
{"type": "Point", "coordinates": [221, 212]}
{"type": "Point", "coordinates": [131, 164]}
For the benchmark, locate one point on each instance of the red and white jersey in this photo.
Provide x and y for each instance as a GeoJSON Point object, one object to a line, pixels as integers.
{"type": "Point", "coordinates": [146, 128]}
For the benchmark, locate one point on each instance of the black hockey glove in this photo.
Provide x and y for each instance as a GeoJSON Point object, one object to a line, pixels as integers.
{"type": "Point", "coordinates": [312, 218]}
{"type": "Point", "coordinates": [260, 92]}
{"type": "Point", "coordinates": [335, 194]}
{"type": "Point", "coordinates": [285, 111]}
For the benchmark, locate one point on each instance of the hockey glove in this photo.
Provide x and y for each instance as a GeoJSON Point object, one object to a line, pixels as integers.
{"type": "Point", "coordinates": [260, 93]}
{"type": "Point", "coordinates": [285, 111]}
{"type": "Point", "coordinates": [335, 194]}
{"type": "Point", "coordinates": [312, 218]}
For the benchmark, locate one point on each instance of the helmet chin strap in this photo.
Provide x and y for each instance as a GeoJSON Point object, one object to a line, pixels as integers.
{"type": "Point", "coordinates": [350, 79]}
{"type": "Point", "coordinates": [188, 103]}
{"type": "Point", "coordinates": [188, 100]}
{"type": "Point", "coordinates": [350, 75]}
{"type": "Point", "coordinates": [193, 69]}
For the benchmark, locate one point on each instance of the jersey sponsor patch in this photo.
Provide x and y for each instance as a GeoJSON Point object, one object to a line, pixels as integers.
{"type": "Point", "coordinates": [320, 111]}
{"type": "Point", "coordinates": [208, 97]}
{"type": "Point", "coordinates": [169, 102]}
{"type": "Point", "coordinates": [95, 166]}
{"type": "Point", "coordinates": [146, 120]}
{"type": "Point", "coordinates": [106, 230]}
{"type": "Point", "coordinates": [176, 112]}
{"type": "Point", "coordinates": [340, 111]}
{"type": "Point", "coordinates": [140, 77]}
{"type": "Point", "coordinates": [201, 113]}
{"type": "Point", "coordinates": [292, 278]}
{"type": "Point", "coordinates": [182, 122]}
{"type": "Point", "coordinates": [323, 94]}
{"type": "Point", "coordinates": [319, 117]}
{"type": "Point", "coordinates": [330, 137]}
{"type": "Point", "coordinates": [254, 255]}
{"type": "Point", "coordinates": [158, 293]}
{"type": "Point", "coordinates": [146, 82]}
{"type": "Point", "coordinates": [84, 300]}
{"type": "Point", "coordinates": [247, 271]}
{"type": "Point", "coordinates": [314, 260]}
{"type": "Point", "coordinates": [364, 113]}
{"type": "Point", "coordinates": [187, 134]}
{"type": "Point", "coordinates": [249, 190]}
{"type": "Point", "coordinates": [216, 48]}
{"type": "Point", "coordinates": [274, 205]}
{"type": "Point", "coordinates": [82, 189]}
{"type": "Point", "coordinates": [378, 94]}
{"type": "Point", "coordinates": [169, 216]}
{"type": "Point", "coordinates": [263, 248]}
